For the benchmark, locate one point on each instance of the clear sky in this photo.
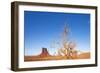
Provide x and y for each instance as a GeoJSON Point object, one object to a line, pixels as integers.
{"type": "Point", "coordinates": [42, 29]}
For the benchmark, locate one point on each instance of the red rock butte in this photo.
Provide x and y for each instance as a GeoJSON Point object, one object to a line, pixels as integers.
{"type": "Point", "coordinates": [44, 53]}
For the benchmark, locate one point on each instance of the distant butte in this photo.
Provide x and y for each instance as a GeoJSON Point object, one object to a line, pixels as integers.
{"type": "Point", "coordinates": [44, 53]}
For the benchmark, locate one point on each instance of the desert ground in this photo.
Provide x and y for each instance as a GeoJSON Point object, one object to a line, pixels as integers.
{"type": "Point", "coordinates": [85, 55]}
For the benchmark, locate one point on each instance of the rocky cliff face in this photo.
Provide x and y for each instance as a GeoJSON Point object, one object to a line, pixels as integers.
{"type": "Point", "coordinates": [44, 53]}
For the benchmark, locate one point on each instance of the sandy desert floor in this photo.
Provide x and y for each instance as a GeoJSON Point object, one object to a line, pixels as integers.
{"type": "Point", "coordinates": [85, 55]}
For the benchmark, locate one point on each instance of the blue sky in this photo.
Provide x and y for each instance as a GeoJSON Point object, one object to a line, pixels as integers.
{"type": "Point", "coordinates": [41, 29]}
